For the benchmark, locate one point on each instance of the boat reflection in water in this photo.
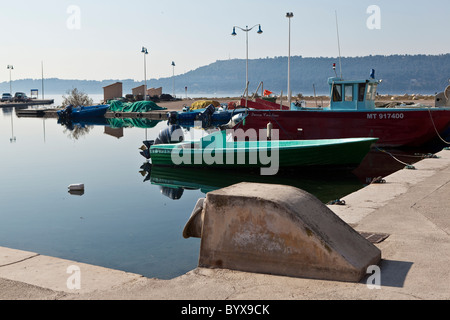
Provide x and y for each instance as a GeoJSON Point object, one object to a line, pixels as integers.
{"type": "Point", "coordinates": [327, 185]}
{"type": "Point", "coordinates": [78, 128]}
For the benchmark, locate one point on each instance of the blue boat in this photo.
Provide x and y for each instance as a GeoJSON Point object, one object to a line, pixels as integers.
{"type": "Point", "coordinates": [209, 116]}
{"type": "Point", "coordinates": [81, 112]}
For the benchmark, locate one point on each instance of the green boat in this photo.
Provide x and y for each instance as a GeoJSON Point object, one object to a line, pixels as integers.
{"type": "Point", "coordinates": [216, 152]}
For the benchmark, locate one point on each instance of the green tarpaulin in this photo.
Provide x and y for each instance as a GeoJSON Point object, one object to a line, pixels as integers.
{"type": "Point", "coordinates": [129, 122]}
{"type": "Point", "coordinates": [139, 106]}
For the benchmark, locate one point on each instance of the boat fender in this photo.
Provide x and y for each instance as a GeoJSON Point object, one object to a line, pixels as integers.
{"type": "Point", "coordinates": [269, 131]}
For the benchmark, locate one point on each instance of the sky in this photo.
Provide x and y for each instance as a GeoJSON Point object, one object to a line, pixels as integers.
{"type": "Point", "coordinates": [96, 39]}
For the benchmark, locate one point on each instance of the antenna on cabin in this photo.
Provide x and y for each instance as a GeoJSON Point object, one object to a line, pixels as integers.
{"type": "Point", "coordinates": [339, 45]}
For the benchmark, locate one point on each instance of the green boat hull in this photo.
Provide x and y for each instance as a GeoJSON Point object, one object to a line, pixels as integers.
{"type": "Point", "coordinates": [248, 154]}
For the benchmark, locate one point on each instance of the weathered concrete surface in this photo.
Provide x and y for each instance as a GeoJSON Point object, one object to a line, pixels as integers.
{"type": "Point", "coordinates": [58, 274]}
{"type": "Point", "coordinates": [281, 230]}
{"type": "Point", "coordinates": [414, 265]}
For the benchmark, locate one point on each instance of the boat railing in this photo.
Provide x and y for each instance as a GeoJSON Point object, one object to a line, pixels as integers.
{"type": "Point", "coordinates": [256, 91]}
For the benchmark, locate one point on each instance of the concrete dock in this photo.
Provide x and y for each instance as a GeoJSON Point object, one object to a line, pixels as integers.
{"type": "Point", "coordinates": [31, 102]}
{"type": "Point", "coordinates": [412, 208]}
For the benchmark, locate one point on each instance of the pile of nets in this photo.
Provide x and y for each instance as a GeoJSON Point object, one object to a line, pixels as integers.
{"type": "Point", "coordinates": [200, 104]}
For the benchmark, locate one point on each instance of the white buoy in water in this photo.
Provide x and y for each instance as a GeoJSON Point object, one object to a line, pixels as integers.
{"type": "Point", "coordinates": [76, 187]}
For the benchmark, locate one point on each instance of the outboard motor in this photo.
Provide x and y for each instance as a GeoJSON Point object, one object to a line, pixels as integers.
{"type": "Point", "coordinates": [206, 115]}
{"type": "Point", "coordinates": [171, 134]}
{"type": "Point", "coordinates": [67, 112]}
{"type": "Point", "coordinates": [172, 193]}
{"type": "Point", "coordinates": [172, 117]}
{"type": "Point", "coordinates": [167, 135]}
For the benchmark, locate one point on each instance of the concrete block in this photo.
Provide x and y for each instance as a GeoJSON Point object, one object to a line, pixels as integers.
{"type": "Point", "coordinates": [282, 230]}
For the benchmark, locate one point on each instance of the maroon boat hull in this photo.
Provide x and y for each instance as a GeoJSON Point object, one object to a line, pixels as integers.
{"type": "Point", "coordinates": [393, 127]}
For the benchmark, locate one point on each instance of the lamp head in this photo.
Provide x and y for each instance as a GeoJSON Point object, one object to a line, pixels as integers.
{"type": "Point", "coordinates": [289, 14]}
{"type": "Point", "coordinates": [144, 50]}
{"type": "Point", "coordinates": [173, 63]}
{"type": "Point", "coordinates": [259, 30]}
{"type": "Point", "coordinates": [234, 32]}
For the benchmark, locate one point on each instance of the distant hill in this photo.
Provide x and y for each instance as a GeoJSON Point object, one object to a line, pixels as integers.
{"type": "Point", "coordinates": [422, 74]}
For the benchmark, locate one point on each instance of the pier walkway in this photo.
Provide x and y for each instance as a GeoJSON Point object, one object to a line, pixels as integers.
{"type": "Point", "coordinates": [412, 208]}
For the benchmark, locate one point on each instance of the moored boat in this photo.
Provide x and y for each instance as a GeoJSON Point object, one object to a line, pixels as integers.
{"type": "Point", "coordinates": [216, 152]}
{"type": "Point", "coordinates": [352, 113]}
{"type": "Point", "coordinates": [210, 116]}
{"type": "Point", "coordinates": [71, 112]}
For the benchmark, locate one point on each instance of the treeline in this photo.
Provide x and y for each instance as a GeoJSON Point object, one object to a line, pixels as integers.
{"type": "Point", "coordinates": [401, 74]}
{"type": "Point", "coordinates": [424, 74]}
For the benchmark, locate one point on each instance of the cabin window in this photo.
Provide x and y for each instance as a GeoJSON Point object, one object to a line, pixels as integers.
{"type": "Point", "coordinates": [348, 92]}
{"type": "Point", "coordinates": [337, 92]}
{"type": "Point", "coordinates": [374, 91]}
{"type": "Point", "coordinates": [371, 91]}
{"type": "Point", "coordinates": [361, 91]}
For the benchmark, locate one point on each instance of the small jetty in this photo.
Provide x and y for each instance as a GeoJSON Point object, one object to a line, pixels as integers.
{"type": "Point", "coordinates": [52, 113]}
{"type": "Point", "coordinates": [32, 102]}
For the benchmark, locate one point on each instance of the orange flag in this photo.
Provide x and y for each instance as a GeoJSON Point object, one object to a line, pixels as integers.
{"type": "Point", "coordinates": [267, 92]}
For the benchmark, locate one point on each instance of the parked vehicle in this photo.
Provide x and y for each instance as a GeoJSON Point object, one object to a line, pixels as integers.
{"type": "Point", "coordinates": [7, 97]}
{"type": "Point", "coordinates": [20, 97]}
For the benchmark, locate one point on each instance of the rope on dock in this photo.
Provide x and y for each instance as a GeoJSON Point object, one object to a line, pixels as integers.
{"type": "Point", "coordinates": [337, 202]}
{"type": "Point", "coordinates": [378, 180]}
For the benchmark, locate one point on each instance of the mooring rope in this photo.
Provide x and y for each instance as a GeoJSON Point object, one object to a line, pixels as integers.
{"type": "Point", "coordinates": [407, 165]}
{"type": "Point", "coordinates": [435, 129]}
{"type": "Point", "coordinates": [287, 133]}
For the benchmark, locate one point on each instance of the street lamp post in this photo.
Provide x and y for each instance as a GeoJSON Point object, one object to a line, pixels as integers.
{"type": "Point", "coordinates": [145, 52]}
{"type": "Point", "coordinates": [173, 79]}
{"type": "Point", "coordinates": [289, 15]}
{"type": "Point", "coordinates": [10, 67]}
{"type": "Point", "coordinates": [246, 30]}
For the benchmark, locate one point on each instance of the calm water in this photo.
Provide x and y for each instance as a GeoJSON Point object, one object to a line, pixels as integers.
{"type": "Point", "coordinates": [130, 217]}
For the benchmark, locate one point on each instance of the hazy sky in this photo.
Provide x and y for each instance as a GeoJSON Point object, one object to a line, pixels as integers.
{"type": "Point", "coordinates": [99, 39]}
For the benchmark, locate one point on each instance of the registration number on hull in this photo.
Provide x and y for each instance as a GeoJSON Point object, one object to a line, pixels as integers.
{"type": "Point", "coordinates": [385, 115]}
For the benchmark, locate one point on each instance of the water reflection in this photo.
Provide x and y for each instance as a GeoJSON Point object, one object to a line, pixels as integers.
{"type": "Point", "coordinates": [325, 184]}
{"type": "Point", "coordinates": [173, 181]}
{"type": "Point", "coordinates": [78, 128]}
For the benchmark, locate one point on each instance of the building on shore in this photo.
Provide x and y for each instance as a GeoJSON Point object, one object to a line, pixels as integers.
{"type": "Point", "coordinates": [112, 91]}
